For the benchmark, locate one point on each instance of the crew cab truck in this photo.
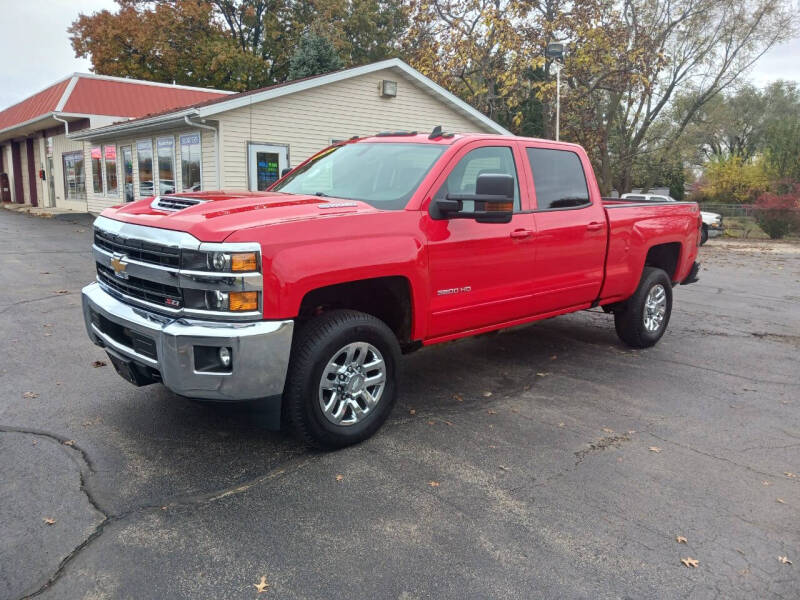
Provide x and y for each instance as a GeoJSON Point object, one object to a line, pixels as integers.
{"type": "Point", "coordinates": [307, 294]}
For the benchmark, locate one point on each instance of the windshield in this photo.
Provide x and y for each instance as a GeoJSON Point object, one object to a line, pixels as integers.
{"type": "Point", "coordinates": [384, 175]}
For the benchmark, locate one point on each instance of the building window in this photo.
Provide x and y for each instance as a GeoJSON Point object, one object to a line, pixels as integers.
{"type": "Point", "coordinates": [166, 165]}
{"type": "Point", "coordinates": [74, 176]}
{"type": "Point", "coordinates": [144, 157]}
{"type": "Point", "coordinates": [97, 171]}
{"type": "Point", "coordinates": [190, 162]}
{"type": "Point", "coordinates": [110, 156]}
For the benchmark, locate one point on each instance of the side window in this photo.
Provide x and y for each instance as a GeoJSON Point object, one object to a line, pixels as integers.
{"type": "Point", "coordinates": [489, 159]}
{"type": "Point", "coordinates": [558, 179]}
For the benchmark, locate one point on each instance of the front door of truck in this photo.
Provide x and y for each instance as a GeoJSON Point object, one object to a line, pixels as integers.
{"type": "Point", "coordinates": [571, 231]}
{"type": "Point", "coordinates": [480, 273]}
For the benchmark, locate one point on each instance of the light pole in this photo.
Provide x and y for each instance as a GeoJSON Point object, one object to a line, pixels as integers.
{"type": "Point", "coordinates": [555, 51]}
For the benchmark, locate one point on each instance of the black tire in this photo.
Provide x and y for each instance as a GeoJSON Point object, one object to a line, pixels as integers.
{"type": "Point", "coordinates": [317, 343]}
{"type": "Point", "coordinates": [703, 235]}
{"type": "Point", "coordinates": [629, 320]}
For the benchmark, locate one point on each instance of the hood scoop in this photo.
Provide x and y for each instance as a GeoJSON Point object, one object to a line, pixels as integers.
{"type": "Point", "coordinates": [174, 203]}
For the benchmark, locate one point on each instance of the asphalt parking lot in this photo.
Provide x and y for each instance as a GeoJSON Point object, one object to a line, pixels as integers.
{"type": "Point", "coordinates": [544, 462]}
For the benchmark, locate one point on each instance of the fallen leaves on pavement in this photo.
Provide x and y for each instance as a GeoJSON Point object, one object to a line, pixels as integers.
{"type": "Point", "coordinates": [262, 585]}
{"type": "Point", "coordinates": [49, 520]}
{"type": "Point", "coordinates": [791, 475]}
{"type": "Point", "coordinates": [433, 483]}
{"type": "Point", "coordinates": [99, 363]}
{"type": "Point", "coordinates": [491, 412]}
{"type": "Point", "coordinates": [780, 501]}
{"type": "Point", "coordinates": [681, 540]}
{"type": "Point", "coordinates": [690, 562]}
{"type": "Point", "coordinates": [784, 560]}
{"type": "Point", "coordinates": [30, 395]}
{"type": "Point", "coordinates": [62, 292]}
{"type": "Point", "coordinates": [69, 443]}
{"type": "Point", "coordinates": [412, 412]}
{"type": "Point", "coordinates": [339, 477]}
{"type": "Point", "coordinates": [655, 449]}
{"type": "Point", "coordinates": [487, 394]}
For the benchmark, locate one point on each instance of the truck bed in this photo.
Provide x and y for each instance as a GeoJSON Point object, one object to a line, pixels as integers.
{"type": "Point", "coordinates": [636, 226]}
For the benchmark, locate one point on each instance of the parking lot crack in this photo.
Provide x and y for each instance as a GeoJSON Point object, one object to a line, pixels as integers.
{"type": "Point", "coordinates": [604, 443]}
{"type": "Point", "coordinates": [176, 502]}
{"type": "Point", "coordinates": [714, 456]}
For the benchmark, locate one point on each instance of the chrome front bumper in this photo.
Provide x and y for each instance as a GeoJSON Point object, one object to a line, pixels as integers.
{"type": "Point", "coordinates": [260, 350]}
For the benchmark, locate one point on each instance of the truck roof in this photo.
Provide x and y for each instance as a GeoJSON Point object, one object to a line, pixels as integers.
{"type": "Point", "coordinates": [447, 138]}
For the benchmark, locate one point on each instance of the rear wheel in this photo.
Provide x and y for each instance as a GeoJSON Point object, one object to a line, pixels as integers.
{"type": "Point", "coordinates": [703, 235]}
{"type": "Point", "coordinates": [642, 320]}
{"type": "Point", "coordinates": [341, 384]}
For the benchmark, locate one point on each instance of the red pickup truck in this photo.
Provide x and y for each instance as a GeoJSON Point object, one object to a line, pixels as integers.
{"type": "Point", "coordinates": [307, 294]}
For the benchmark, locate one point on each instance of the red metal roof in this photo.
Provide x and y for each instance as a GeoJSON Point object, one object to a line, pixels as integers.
{"type": "Point", "coordinates": [130, 98]}
{"type": "Point", "coordinates": [30, 108]}
{"type": "Point", "coordinates": [97, 95]}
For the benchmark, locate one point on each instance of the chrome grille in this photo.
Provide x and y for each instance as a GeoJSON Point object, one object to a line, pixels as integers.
{"type": "Point", "coordinates": [173, 203]}
{"type": "Point", "coordinates": [140, 250]}
{"type": "Point", "coordinates": [142, 289]}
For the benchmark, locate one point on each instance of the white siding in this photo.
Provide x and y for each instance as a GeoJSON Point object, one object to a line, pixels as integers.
{"type": "Point", "coordinates": [306, 121]}
{"type": "Point", "coordinates": [98, 202]}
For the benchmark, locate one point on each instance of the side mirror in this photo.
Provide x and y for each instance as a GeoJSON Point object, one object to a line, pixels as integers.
{"type": "Point", "coordinates": [493, 201]}
{"type": "Point", "coordinates": [286, 171]}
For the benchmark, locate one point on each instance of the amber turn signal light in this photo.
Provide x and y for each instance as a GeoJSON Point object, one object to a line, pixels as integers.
{"type": "Point", "coordinates": [240, 301]}
{"type": "Point", "coordinates": [245, 261]}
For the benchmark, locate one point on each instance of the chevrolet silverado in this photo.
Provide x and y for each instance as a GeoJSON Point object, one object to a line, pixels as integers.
{"type": "Point", "coordinates": [307, 294]}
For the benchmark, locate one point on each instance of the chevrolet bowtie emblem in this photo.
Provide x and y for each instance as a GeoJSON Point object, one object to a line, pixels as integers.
{"type": "Point", "coordinates": [119, 264]}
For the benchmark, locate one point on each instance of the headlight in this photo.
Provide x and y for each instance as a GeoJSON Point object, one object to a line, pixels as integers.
{"type": "Point", "coordinates": [221, 262]}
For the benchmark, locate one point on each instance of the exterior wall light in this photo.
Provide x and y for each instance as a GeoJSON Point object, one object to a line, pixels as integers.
{"type": "Point", "coordinates": [388, 88]}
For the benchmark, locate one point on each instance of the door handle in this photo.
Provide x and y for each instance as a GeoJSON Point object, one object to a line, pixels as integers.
{"type": "Point", "coordinates": [519, 234]}
{"type": "Point", "coordinates": [595, 226]}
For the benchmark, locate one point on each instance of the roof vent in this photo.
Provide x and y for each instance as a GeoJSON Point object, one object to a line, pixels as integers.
{"type": "Point", "coordinates": [173, 203]}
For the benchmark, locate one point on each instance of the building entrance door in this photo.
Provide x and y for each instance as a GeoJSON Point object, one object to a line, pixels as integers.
{"type": "Point", "coordinates": [265, 162]}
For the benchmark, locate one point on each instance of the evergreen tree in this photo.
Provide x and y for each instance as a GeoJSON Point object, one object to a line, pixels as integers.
{"type": "Point", "coordinates": [313, 56]}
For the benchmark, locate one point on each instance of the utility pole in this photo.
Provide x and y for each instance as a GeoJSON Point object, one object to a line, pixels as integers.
{"type": "Point", "coordinates": [555, 51]}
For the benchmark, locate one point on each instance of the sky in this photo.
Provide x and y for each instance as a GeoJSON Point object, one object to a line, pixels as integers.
{"type": "Point", "coordinates": [35, 51]}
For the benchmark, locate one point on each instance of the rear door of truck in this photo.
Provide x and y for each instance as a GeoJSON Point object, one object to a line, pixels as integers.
{"type": "Point", "coordinates": [571, 226]}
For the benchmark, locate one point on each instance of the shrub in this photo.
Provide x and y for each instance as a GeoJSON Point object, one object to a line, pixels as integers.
{"type": "Point", "coordinates": [778, 214]}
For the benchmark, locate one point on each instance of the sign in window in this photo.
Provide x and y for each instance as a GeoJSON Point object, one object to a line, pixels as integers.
{"type": "Point", "coordinates": [267, 169]}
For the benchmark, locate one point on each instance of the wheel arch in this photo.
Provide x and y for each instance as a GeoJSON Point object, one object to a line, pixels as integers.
{"type": "Point", "coordinates": [665, 257]}
{"type": "Point", "coordinates": [388, 298]}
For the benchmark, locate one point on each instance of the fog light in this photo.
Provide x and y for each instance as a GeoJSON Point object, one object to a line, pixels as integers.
{"type": "Point", "coordinates": [216, 300]}
{"type": "Point", "coordinates": [225, 356]}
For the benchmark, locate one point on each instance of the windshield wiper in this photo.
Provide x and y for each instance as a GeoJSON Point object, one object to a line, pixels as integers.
{"type": "Point", "coordinates": [321, 194]}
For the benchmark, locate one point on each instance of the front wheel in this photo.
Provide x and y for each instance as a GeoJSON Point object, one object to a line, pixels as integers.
{"type": "Point", "coordinates": [642, 320]}
{"type": "Point", "coordinates": [703, 235]}
{"type": "Point", "coordinates": [341, 383]}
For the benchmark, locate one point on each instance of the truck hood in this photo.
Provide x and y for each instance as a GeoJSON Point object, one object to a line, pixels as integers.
{"type": "Point", "coordinates": [216, 215]}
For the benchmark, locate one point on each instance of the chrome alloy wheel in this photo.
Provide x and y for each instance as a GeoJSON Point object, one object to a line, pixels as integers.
{"type": "Point", "coordinates": [655, 307]}
{"type": "Point", "coordinates": [352, 383]}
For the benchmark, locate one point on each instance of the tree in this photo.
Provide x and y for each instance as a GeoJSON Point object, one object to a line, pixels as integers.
{"type": "Point", "coordinates": [477, 49]}
{"type": "Point", "coordinates": [231, 44]}
{"type": "Point", "coordinates": [172, 41]}
{"type": "Point", "coordinates": [314, 55]}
